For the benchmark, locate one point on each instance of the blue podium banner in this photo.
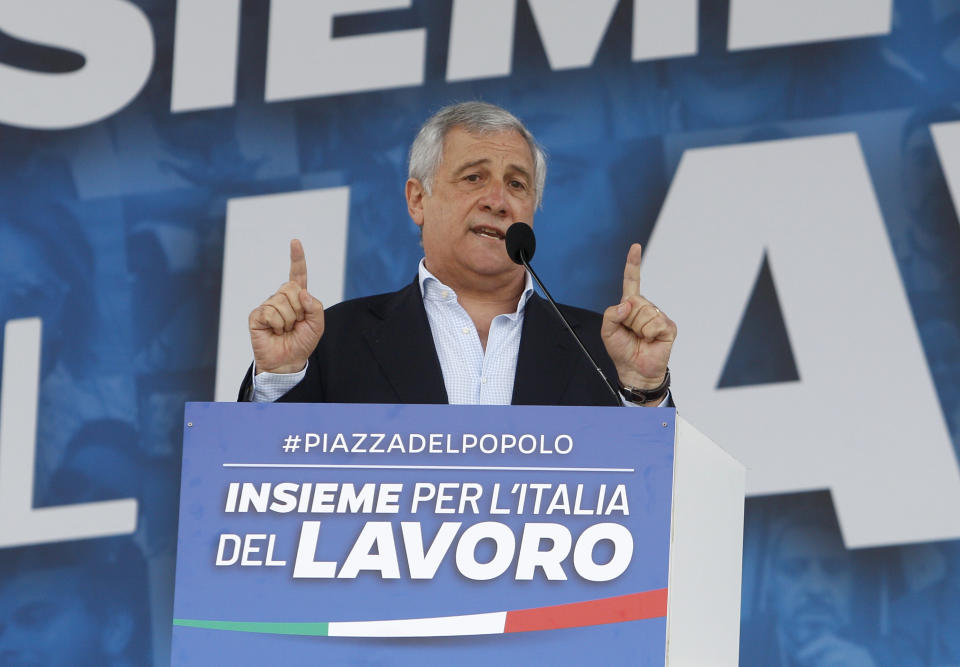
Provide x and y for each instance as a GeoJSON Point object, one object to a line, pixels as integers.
{"type": "Point", "coordinates": [349, 534]}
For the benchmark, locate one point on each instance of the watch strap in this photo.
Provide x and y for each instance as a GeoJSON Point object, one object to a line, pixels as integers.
{"type": "Point", "coordinates": [638, 395]}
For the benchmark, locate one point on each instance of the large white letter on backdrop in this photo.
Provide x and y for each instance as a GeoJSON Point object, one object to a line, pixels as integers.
{"type": "Point", "coordinates": [113, 36]}
{"type": "Point", "coordinates": [20, 523]}
{"type": "Point", "coordinates": [946, 137]}
{"type": "Point", "coordinates": [205, 54]}
{"type": "Point", "coordinates": [304, 59]}
{"type": "Point", "coordinates": [256, 261]}
{"type": "Point", "coordinates": [481, 26]}
{"type": "Point", "coordinates": [664, 29]}
{"type": "Point", "coordinates": [863, 420]}
{"type": "Point", "coordinates": [571, 31]}
{"type": "Point", "coordinates": [760, 23]}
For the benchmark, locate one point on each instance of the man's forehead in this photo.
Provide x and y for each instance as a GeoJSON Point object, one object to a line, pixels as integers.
{"type": "Point", "coordinates": [463, 146]}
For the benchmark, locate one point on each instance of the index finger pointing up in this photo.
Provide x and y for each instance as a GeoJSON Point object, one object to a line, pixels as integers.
{"type": "Point", "coordinates": [298, 264]}
{"type": "Point", "coordinates": [631, 272]}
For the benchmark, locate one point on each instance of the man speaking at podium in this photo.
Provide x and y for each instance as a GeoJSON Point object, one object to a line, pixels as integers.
{"type": "Point", "coordinates": [469, 329]}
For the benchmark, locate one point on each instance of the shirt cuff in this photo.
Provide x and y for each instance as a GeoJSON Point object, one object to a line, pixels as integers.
{"type": "Point", "coordinates": [268, 387]}
{"type": "Point", "coordinates": [630, 404]}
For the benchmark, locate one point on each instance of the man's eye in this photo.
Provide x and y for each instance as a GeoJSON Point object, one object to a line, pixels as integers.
{"type": "Point", "coordinates": [519, 185]}
{"type": "Point", "coordinates": [473, 178]}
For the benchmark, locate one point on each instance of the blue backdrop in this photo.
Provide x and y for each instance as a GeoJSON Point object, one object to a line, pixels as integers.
{"type": "Point", "coordinates": [113, 234]}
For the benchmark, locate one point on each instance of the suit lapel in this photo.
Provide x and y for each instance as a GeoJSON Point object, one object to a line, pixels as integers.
{"type": "Point", "coordinates": [544, 359]}
{"type": "Point", "coordinates": [403, 346]}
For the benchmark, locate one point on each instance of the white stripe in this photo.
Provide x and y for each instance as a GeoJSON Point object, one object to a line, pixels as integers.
{"type": "Point", "coordinates": [441, 626]}
{"type": "Point", "coordinates": [386, 467]}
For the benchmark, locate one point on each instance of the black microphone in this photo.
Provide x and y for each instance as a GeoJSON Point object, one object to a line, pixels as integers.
{"type": "Point", "coordinates": [520, 239]}
{"type": "Point", "coordinates": [521, 244]}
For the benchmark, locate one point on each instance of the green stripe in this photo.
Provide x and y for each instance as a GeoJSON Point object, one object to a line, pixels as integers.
{"type": "Point", "coordinates": [309, 629]}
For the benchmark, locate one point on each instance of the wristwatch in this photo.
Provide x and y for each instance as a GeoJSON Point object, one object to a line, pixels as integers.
{"type": "Point", "coordinates": [638, 395]}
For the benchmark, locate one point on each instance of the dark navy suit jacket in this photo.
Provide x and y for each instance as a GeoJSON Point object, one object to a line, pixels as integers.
{"type": "Point", "coordinates": [379, 349]}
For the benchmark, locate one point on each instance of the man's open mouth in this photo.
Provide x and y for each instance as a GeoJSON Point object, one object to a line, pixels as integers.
{"type": "Point", "coordinates": [488, 232]}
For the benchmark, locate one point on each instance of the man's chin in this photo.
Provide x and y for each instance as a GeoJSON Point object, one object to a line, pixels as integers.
{"type": "Point", "coordinates": [504, 270]}
{"type": "Point", "coordinates": [494, 262]}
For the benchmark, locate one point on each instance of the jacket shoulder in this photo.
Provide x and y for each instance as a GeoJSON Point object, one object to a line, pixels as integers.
{"type": "Point", "coordinates": [376, 307]}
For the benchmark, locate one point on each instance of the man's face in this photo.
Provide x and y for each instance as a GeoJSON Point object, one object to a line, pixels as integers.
{"type": "Point", "coordinates": [483, 185]}
{"type": "Point", "coordinates": [812, 583]}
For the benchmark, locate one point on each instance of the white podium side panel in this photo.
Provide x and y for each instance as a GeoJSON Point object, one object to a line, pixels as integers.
{"type": "Point", "coordinates": [706, 553]}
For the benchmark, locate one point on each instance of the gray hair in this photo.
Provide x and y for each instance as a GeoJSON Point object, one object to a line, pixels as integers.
{"type": "Point", "coordinates": [426, 152]}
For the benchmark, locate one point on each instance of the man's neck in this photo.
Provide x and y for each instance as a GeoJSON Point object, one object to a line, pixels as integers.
{"type": "Point", "coordinates": [488, 297]}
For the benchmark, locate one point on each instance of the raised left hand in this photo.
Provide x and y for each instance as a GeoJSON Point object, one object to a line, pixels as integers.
{"type": "Point", "coordinates": [638, 335]}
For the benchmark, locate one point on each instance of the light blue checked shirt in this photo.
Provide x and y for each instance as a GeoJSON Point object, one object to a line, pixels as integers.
{"type": "Point", "coordinates": [471, 376]}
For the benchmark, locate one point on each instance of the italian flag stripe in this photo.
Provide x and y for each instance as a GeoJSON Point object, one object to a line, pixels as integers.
{"type": "Point", "coordinates": [634, 607]}
{"type": "Point", "coordinates": [439, 626]}
{"type": "Point", "coordinates": [307, 629]}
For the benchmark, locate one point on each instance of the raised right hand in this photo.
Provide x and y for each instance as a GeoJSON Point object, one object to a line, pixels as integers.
{"type": "Point", "coordinates": [286, 328]}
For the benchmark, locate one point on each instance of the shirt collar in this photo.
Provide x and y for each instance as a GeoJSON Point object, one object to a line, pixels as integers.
{"type": "Point", "coordinates": [434, 290]}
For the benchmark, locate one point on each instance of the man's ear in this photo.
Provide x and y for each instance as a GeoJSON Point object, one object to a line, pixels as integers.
{"type": "Point", "coordinates": [415, 194]}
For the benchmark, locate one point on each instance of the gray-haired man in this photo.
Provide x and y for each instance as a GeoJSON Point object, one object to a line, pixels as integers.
{"type": "Point", "coordinates": [470, 329]}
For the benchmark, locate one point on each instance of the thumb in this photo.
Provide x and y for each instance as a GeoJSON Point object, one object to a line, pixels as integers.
{"type": "Point", "coordinates": [613, 317]}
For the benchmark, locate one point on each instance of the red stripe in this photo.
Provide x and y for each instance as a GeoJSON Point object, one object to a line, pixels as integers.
{"type": "Point", "coordinates": [649, 604]}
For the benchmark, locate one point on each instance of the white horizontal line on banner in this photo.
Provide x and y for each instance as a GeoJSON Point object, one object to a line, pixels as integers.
{"type": "Point", "coordinates": [389, 467]}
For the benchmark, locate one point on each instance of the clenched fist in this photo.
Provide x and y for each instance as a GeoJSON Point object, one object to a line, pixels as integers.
{"type": "Point", "coordinates": [286, 328]}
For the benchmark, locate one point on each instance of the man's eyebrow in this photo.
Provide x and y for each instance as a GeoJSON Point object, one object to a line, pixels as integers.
{"type": "Point", "coordinates": [473, 163]}
{"type": "Point", "coordinates": [512, 167]}
{"type": "Point", "coordinates": [518, 168]}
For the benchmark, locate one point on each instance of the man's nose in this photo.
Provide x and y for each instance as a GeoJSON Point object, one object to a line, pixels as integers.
{"type": "Point", "coordinates": [493, 199]}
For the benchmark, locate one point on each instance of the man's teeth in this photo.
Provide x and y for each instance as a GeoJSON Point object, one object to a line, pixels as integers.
{"type": "Point", "coordinates": [488, 233]}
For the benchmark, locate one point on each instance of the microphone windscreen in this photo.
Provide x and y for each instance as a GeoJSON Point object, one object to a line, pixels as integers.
{"type": "Point", "coordinates": [519, 239]}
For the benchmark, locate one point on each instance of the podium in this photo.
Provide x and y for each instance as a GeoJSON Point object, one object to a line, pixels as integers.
{"type": "Point", "coordinates": [424, 534]}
